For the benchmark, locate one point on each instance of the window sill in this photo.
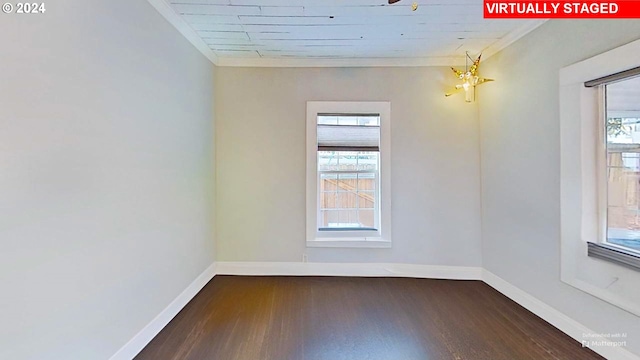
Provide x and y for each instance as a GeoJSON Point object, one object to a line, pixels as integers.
{"type": "Point", "coordinates": [349, 243]}
{"type": "Point", "coordinates": [615, 255]}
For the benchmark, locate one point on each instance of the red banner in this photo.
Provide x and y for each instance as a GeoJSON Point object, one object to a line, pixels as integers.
{"type": "Point", "coordinates": [561, 9]}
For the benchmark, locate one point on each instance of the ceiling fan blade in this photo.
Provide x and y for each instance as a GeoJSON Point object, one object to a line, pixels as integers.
{"type": "Point", "coordinates": [393, 1]}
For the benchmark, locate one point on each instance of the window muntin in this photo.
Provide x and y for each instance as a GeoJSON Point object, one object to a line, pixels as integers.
{"type": "Point", "coordinates": [622, 132]}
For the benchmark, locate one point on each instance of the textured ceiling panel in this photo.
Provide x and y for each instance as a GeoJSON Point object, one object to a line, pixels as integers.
{"type": "Point", "coordinates": [343, 29]}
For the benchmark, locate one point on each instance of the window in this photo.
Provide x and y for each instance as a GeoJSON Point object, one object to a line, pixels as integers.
{"type": "Point", "coordinates": [618, 169]}
{"type": "Point", "coordinates": [348, 152]}
{"type": "Point", "coordinates": [598, 176]}
{"type": "Point", "coordinates": [622, 121]}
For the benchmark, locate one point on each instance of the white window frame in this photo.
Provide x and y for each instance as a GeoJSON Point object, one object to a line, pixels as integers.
{"type": "Point", "coordinates": [582, 200]}
{"type": "Point", "coordinates": [381, 238]}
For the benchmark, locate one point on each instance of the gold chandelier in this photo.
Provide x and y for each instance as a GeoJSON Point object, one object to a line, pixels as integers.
{"type": "Point", "coordinates": [470, 79]}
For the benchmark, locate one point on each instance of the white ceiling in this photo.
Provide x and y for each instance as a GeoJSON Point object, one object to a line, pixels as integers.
{"type": "Point", "coordinates": [316, 32]}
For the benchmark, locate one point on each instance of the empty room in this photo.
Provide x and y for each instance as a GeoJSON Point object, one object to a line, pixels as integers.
{"type": "Point", "coordinates": [319, 180]}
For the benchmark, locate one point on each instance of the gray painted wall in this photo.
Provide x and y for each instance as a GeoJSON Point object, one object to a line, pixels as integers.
{"type": "Point", "coordinates": [106, 173]}
{"type": "Point", "coordinates": [260, 144]}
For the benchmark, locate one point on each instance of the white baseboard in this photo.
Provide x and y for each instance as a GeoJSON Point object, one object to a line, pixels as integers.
{"type": "Point", "coordinates": [349, 269]}
{"type": "Point", "coordinates": [142, 338]}
{"type": "Point", "coordinates": [564, 323]}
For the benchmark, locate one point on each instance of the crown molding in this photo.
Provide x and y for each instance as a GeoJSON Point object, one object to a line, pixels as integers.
{"type": "Point", "coordinates": [512, 37]}
{"type": "Point", "coordinates": [343, 62]}
{"type": "Point", "coordinates": [181, 25]}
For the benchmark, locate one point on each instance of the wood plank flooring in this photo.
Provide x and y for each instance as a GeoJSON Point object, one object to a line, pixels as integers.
{"type": "Point", "coordinates": [342, 318]}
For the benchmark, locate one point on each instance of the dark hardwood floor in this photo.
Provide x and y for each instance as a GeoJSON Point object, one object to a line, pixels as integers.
{"type": "Point", "coordinates": [341, 318]}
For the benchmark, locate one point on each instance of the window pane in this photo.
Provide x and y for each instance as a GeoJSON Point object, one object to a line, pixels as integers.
{"type": "Point", "coordinates": [347, 160]}
{"type": "Point", "coordinates": [328, 200]}
{"type": "Point", "coordinates": [343, 204]}
{"type": "Point", "coordinates": [367, 181]}
{"type": "Point", "coordinates": [327, 120]}
{"type": "Point", "coordinates": [346, 199]}
{"type": "Point", "coordinates": [366, 219]}
{"type": "Point", "coordinates": [369, 120]}
{"type": "Point", "coordinates": [366, 200]}
{"type": "Point", "coordinates": [623, 163]}
{"type": "Point", "coordinates": [347, 120]}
